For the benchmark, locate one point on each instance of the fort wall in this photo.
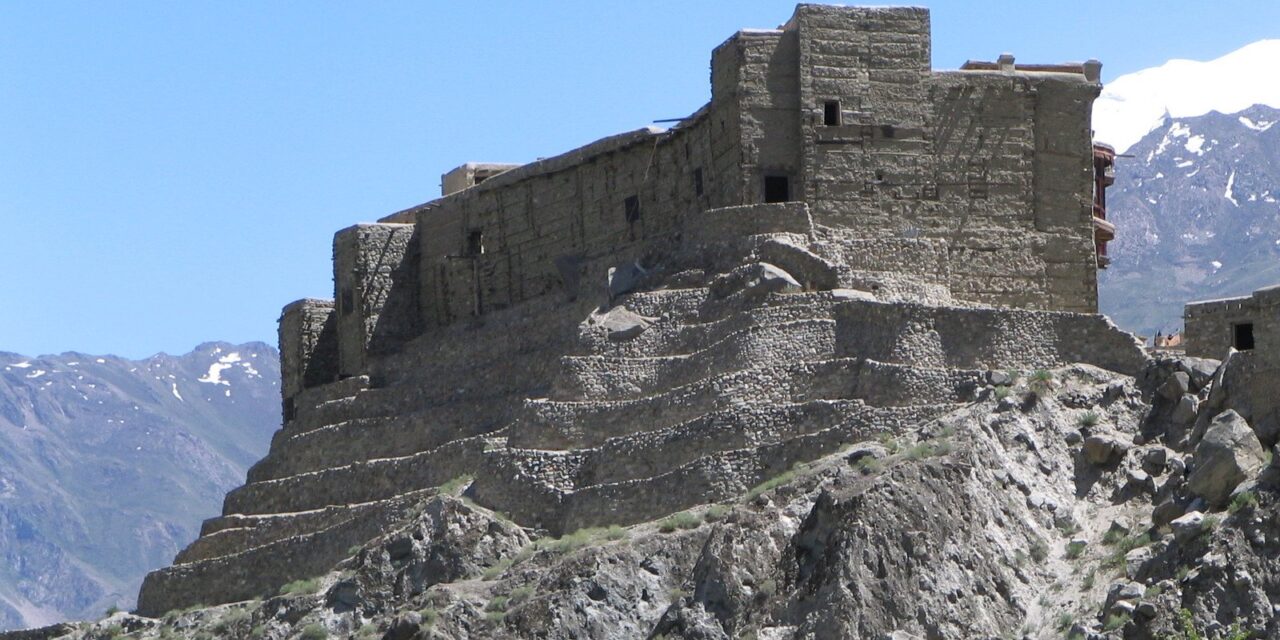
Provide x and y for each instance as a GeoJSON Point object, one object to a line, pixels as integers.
{"type": "Point", "coordinates": [1214, 327]}
{"type": "Point", "coordinates": [980, 181]}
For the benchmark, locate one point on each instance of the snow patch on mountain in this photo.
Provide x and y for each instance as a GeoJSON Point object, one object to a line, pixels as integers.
{"type": "Point", "coordinates": [1133, 104]}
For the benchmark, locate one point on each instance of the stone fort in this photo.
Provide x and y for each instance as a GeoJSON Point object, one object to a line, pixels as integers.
{"type": "Point", "coordinates": [841, 243]}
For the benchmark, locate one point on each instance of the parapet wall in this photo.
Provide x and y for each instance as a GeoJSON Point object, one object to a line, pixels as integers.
{"type": "Point", "coordinates": [375, 278]}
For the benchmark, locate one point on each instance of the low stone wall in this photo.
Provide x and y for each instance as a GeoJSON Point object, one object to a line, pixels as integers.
{"type": "Point", "coordinates": [983, 338]}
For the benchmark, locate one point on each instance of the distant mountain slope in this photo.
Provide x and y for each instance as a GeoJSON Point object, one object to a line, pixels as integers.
{"type": "Point", "coordinates": [1198, 216]}
{"type": "Point", "coordinates": [108, 466]}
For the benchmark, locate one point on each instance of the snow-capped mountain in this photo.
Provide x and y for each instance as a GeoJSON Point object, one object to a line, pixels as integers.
{"type": "Point", "coordinates": [1197, 211]}
{"type": "Point", "coordinates": [1134, 104]}
{"type": "Point", "coordinates": [108, 466]}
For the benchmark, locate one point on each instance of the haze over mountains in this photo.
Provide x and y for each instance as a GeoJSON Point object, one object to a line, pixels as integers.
{"type": "Point", "coordinates": [1197, 206]}
{"type": "Point", "coordinates": [108, 466]}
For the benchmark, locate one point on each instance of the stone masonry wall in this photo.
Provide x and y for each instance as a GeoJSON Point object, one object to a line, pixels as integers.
{"type": "Point", "coordinates": [1210, 325]}
{"type": "Point", "coordinates": [375, 285]}
{"type": "Point", "coordinates": [983, 176]}
{"type": "Point", "coordinates": [308, 348]}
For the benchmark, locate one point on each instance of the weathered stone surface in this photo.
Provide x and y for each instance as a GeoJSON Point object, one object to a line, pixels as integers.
{"type": "Point", "coordinates": [1102, 449]}
{"type": "Point", "coordinates": [1228, 454]}
{"type": "Point", "coordinates": [755, 281]}
{"type": "Point", "coordinates": [1175, 386]}
{"type": "Point", "coordinates": [1187, 526]}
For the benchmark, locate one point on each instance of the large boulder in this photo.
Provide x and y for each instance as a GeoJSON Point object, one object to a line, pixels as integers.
{"type": "Point", "coordinates": [1229, 454]}
{"type": "Point", "coordinates": [755, 280]}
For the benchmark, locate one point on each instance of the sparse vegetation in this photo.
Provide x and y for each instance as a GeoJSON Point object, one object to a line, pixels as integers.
{"type": "Point", "coordinates": [429, 616]}
{"type": "Point", "coordinates": [112, 610]}
{"type": "Point", "coordinates": [1074, 550]}
{"type": "Point", "coordinates": [368, 632]}
{"type": "Point", "coordinates": [456, 485]}
{"type": "Point", "coordinates": [1153, 591]}
{"type": "Point", "coordinates": [1243, 500]}
{"type": "Point", "coordinates": [682, 520]}
{"type": "Point", "coordinates": [231, 620]}
{"type": "Point", "coordinates": [1089, 580]}
{"type": "Point", "coordinates": [301, 587]}
{"type": "Point", "coordinates": [768, 588]}
{"type": "Point", "coordinates": [1041, 382]}
{"type": "Point", "coordinates": [716, 512]}
{"type": "Point", "coordinates": [1210, 523]}
{"type": "Point", "coordinates": [313, 632]}
{"type": "Point", "coordinates": [869, 465]}
{"type": "Point", "coordinates": [353, 549]}
{"type": "Point", "coordinates": [1064, 621]}
{"type": "Point", "coordinates": [521, 594]}
{"type": "Point", "coordinates": [498, 568]}
{"type": "Point", "coordinates": [1114, 622]}
{"type": "Point", "coordinates": [1089, 419]}
{"type": "Point", "coordinates": [1003, 391]}
{"type": "Point", "coordinates": [1123, 546]}
{"type": "Point", "coordinates": [1039, 550]}
{"type": "Point", "coordinates": [676, 593]}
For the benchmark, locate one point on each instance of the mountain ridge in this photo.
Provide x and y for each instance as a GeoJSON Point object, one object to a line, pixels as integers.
{"type": "Point", "coordinates": [141, 449]}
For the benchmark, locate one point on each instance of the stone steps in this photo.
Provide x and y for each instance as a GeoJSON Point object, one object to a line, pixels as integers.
{"type": "Point", "coordinates": [607, 377]}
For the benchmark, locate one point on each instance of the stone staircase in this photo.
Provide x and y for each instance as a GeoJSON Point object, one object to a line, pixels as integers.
{"type": "Point", "coordinates": [564, 426]}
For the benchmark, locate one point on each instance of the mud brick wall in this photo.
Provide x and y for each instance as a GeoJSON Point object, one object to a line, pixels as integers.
{"type": "Point", "coordinates": [308, 347]}
{"type": "Point", "coordinates": [1211, 326]}
{"type": "Point", "coordinates": [375, 288]}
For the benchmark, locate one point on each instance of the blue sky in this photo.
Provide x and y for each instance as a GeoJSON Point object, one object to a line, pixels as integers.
{"type": "Point", "coordinates": [173, 172]}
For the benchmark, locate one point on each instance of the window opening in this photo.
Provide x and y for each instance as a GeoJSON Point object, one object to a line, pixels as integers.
{"type": "Point", "coordinates": [777, 189]}
{"type": "Point", "coordinates": [348, 302]}
{"type": "Point", "coordinates": [1242, 337]}
{"type": "Point", "coordinates": [631, 206]}
{"type": "Point", "coordinates": [831, 113]}
{"type": "Point", "coordinates": [697, 181]}
{"type": "Point", "coordinates": [475, 242]}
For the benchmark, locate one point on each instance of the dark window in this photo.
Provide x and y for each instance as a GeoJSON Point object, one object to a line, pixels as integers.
{"type": "Point", "coordinates": [475, 242]}
{"type": "Point", "coordinates": [886, 130]}
{"type": "Point", "coordinates": [831, 113]}
{"type": "Point", "coordinates": [348, 302]}
{"type": "Point", "coordinates": [479, 179]}
{"type": "Point", "coordinates": [697, 181]}
{"type": "Point", "coordinates": [777, 189]}
{"type": "Point", "coordinates": [631, 206]}
{"type": "Point", "coordinates": [1242, 336]}
{"type": "Point", "coordinates": [290, 412]}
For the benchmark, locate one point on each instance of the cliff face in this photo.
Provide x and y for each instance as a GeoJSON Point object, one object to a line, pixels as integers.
{"type": "Point", "coordinates": [108, 465]}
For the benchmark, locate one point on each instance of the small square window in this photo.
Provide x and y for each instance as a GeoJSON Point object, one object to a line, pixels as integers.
{"type": "Point", "coordinates": [777, 189]}
{"type": "Point", "coordinates": [831, 113]}
{"type": "Point", "coordinates": [1242, 336]}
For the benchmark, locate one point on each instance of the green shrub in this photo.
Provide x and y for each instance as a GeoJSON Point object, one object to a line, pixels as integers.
{"type": "Point", "coordinates": [112, 610]}
{"type": "Point", "coordinates": [1124, 546]}
{"type": "Point", "coordinates": [1089, 419]}
{"type": "Point", "coordinates": [676, 593]}
{"type": "Point", "coordinates": [521, 594]}
{"type": "Point", "coordinates": [429, 616]}
{"type": "Point", "coordinates": [1041, 382]}
{"type": "Point", "coordinates": [498, 568]}
{"type": "Point", "coordinates": [313, 631]}
{"type": "Point", "coordinates": [230, 620]}
{"type": "Point", "coordinates": [1243, 500]}
{"type": "Point", "coordinates": [368, 632]}
{"type": "Point", "coordinates": [498, 603]}
{"type": "Point", "coordinates": [1074, 551]}
{"type": "Point", "coordinates": [1064, 621]}
{"type": "Point", "coordinates": [1089, 580]}
{"type": "Point", "coordinates": [301, 587]}
{"type": "Point", "coordinates": [682, 520]}
{"type": "Point", "coordinates": [1003, 391]}
{"type": "Point", "coordinates": [1114, 622]}
{"type": "Point", "coordinates": [768, 588]}
{"type": "Point", "coordinates": [716, 512]}
{"type": "Point", "coordinates": [1039, 550]}
{"type": "Point", "coordinates": [870, 465]}
{"type": "Point", "coordinates": [771, 484]}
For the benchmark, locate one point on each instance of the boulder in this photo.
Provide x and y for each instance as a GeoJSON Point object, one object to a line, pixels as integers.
{"type": "Point", "coordinates": [1165, 512]}
{"type": "Point", "coordinates": [1175, 386]}
{"type": "Point", "coordinates": [755, 280]}
{"type": "Point", "coordinates": [1103, 449]}
{"type": "Point", "coordinates": [1187, 527]}
{"type": "Point", "coordinates": [620, 323]}
{"type": "Point", "coordinates": [1184, 413]}
{"type": "Point", "coordinates": [1228, 454]}
{"type": "Point", "coordinates": [625, 278]}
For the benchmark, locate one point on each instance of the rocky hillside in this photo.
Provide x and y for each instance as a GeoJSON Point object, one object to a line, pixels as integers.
{"type": "Point", "coordinates": [1197, 210]}
{"type": "Point", "coordinates": [108, 466]}
{"type": "Point", "coordinates": [1073, 503]}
